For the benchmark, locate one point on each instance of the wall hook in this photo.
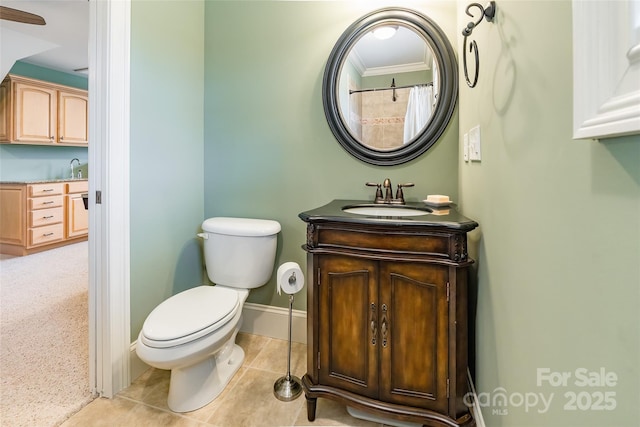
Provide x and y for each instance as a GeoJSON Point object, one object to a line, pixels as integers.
{"type": "Point", "coordinates": [488, 12]}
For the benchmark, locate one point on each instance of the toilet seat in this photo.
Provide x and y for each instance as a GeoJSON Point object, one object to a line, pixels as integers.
{"type": "Point", "coordinates": [189, 315]}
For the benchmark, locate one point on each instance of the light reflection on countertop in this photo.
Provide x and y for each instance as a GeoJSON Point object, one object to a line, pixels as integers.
{"type": "Point", "coordinates": [44, 181]}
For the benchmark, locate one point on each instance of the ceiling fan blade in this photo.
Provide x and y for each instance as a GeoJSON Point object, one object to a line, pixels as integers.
{"type": "Point", "coordinates": [20, 16]}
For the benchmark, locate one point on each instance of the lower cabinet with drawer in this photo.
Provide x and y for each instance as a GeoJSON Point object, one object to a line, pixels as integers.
{"type": "Point", "coordinates": [40, 216]}
{"type": "Point", "coordinates": [387, 316]}
{"type": "Point", "coordinates": [45, 210]}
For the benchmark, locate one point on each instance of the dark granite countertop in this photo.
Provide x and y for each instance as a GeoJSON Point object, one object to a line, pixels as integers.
{"type": "Point", "coordinates": [43, 181]}
{"type": "Point", "coordinates": [447, 217]}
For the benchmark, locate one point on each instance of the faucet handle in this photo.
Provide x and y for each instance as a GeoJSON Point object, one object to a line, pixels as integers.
{"type": "Point", "coordinates": [378, 198]}
{"type": "Point", "coordinates": [399, 192]}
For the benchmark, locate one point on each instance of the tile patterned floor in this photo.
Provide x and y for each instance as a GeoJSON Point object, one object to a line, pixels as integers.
{"type": "Point", "coordinates": [247, 401]}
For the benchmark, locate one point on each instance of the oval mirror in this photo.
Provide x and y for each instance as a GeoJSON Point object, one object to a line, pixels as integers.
{"type": "Point", "coordinates": [390, 86]}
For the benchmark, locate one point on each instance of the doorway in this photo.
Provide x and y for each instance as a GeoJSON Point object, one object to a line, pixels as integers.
{"type": "Point", "coordinates": [109, 316]}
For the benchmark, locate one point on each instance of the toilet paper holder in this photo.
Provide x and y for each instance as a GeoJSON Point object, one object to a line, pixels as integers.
{"type": "Point", "coordinates": [289, 387]}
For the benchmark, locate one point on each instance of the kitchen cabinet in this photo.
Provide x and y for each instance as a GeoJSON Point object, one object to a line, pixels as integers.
{"type": "Point", "coordinates": [387, 317]}
{"type": "Point", "coordinates": [77, 216]}
{"type": "Point", "coordinates": [73, 108]}
{"type": "Point", "coordinates": [41, 113]}
{"type": "Point", "coordinates": [42, 215]}
{"type": "Point", "coordinates": [45, 214]}
{"type": "Point", "coordinates": [13, 215]}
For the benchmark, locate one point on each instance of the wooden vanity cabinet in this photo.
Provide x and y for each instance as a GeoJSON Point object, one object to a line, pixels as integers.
{"type": "Point", "coordinates": [41, 113]}
{"type": "Point", "coordinates": [387, 321]}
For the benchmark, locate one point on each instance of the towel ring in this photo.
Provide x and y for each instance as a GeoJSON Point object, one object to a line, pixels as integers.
{"type": "Point", "coordinates": [488, 12]}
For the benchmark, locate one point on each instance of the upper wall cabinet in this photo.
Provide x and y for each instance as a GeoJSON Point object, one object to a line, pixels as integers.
{"type": "Point", "coordinates": [606, 68]}
{"type": "Point", "coordinates": [41, 113]}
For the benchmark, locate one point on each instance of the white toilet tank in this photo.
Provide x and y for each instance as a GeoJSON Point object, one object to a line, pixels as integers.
{"type": "Point", "coordinates": [240, 252]}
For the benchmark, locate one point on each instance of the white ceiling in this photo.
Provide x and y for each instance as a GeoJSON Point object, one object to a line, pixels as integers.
{"type": "Point", "coordinates": [65, 35]}
{"type": "Point", "coordinates": [404, 52]}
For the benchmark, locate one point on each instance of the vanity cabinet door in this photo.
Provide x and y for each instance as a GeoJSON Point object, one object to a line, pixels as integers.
{"type": "Point", "coordinates": [414, 320]}
{"type": "Point", "coordinates": [348, 348]}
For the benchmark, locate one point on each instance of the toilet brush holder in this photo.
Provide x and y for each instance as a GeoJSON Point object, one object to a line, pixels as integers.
{"type": "Point", "coordinates": [289, 387]}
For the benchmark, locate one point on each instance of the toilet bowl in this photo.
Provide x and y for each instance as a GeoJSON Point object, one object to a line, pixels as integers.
{"type": "Point", "coordinates": [193, 333]}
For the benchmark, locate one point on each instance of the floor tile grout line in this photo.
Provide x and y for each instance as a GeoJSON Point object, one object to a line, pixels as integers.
{"type": "Point", "coordinates": [165, 410]}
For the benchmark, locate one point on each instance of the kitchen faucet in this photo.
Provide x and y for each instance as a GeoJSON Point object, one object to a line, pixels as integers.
{"type": "Point", "coordinates": [71, 165]}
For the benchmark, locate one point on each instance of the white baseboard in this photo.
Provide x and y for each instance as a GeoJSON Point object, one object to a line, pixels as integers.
{"type": "Point", "coordinates": [273, 322]}
{"type": "Point", "coordinates": [258, 319]}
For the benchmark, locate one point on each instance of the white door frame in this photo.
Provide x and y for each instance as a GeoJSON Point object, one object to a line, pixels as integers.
{"type": "Point", "coordinates": [109, 268]}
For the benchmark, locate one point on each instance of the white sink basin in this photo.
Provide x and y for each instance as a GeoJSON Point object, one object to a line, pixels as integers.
{"type": "Point", "coordinates": [385, 210]}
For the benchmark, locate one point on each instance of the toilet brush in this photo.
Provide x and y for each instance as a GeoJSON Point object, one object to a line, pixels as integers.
{"type": "Point", "coordinates": [289, 387]}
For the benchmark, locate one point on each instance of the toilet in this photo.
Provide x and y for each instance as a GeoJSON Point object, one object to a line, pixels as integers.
{"type": "Point", "coordinates": [193, 333]}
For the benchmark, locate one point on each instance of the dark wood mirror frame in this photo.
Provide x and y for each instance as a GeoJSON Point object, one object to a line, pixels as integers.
{"type": "Point", "coordinates": [448, 87]}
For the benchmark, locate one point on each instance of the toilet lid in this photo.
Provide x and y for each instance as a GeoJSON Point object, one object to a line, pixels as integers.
{"type": "Point", "coordinates": [189, 315]}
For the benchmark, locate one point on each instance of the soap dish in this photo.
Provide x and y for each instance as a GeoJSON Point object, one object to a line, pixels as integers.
{"type": "Point", "coordinates": [437, 204]}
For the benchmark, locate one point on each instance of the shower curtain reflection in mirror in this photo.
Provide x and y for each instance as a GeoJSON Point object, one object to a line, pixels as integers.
{"type": "Point", "coordinates": [419, 110]}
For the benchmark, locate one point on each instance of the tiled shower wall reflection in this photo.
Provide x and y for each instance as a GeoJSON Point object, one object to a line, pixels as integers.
{"type": "Point", "coordinates": [383, 119]}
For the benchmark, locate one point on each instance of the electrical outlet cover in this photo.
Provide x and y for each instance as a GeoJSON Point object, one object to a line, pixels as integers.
{"type": "Point", "coordinates": [475, 151]}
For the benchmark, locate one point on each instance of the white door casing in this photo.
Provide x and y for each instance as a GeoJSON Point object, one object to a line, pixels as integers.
{"type": "Point", "coordinates": [109, 315]}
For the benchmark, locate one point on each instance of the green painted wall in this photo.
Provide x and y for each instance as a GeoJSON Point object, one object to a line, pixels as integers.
{"type": "Point", "coordinates": [559, 239]}
{"type": "Point", "coordinates": [34, 162]}
{"type": "Point", "coordinates": [268, 150]}
{"type": "Point", "coordinates": [558, 247]}
{"type": "Point", "coordinates": [166, 151]}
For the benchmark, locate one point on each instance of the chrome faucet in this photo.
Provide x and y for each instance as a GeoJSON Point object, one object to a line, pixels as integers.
{"type": "Point", "coordinates": [71, 165]}
{"type": "Point", "coordinates": [388, 197]}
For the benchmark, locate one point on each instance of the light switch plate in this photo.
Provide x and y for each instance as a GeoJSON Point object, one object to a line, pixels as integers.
{"type": "Point", "coordinates": [475, 151]}
{"type": "Point", "coordinates": [465, 147]}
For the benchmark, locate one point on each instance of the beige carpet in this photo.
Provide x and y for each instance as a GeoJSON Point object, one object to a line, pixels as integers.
{"type": "Point", "coordinates": [44, 340]}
